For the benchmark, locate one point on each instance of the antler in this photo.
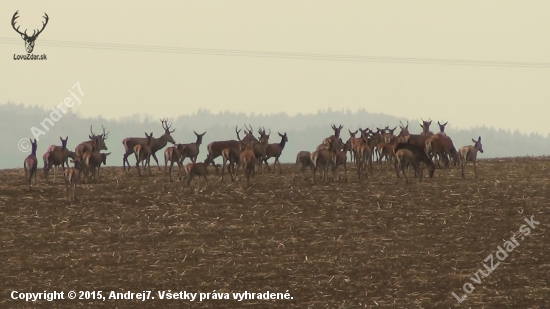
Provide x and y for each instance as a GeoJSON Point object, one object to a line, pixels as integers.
{"type": "Point", "coordinates": [238, 132]}
{"type": "Point", "coordinates": [13, 24]}
{"type": "Point", "coordinates": [104, 134]}
{"type": "Point", "coordinates": [43, 26]}
{"type": "Point", "coordinates": [92, 132]}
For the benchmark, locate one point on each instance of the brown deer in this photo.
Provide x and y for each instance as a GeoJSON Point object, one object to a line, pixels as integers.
{"type": "Point", "coordinates": [303, 158]}
{"type": "Point", "coordinates": [339, 158]}
{"type": "Point", "coordinates": [55, 156]}
{"type": "Point", "coordinates": [30, 164]}
{"type": "Point", "coordinates": [426, 127]}
{"type": "Point", "coordinates": [143, 154]}
{"type": "Point", "coordinates": [92, 162]}
{"type": "Point", "coordinates": [71, 178]}
{"type": "Point", "coordinates": [156, 144]}
{"type": "Point", "coordinates": [274, 151]}
{"type": "Point", "coordinates": [363, 155]}
{"type": "Point", "coordinates": [99, 141]}
{"type": "Point", "coordinates": [469, 153]}
{"type": "Point", "coordinates": [173, 155]}
{"type": "Point", "coordinates": [248, 161]}
{"type": "Point", "coordinates": [29, 40]}
{"type": "Point", "coordinates": [233, 156]}
{"type": "Point", "coordinates": [261, 148]}
{"type": "Point", "coordinates": [322, 158]}
{"type": "Point", "coordinates": [410, 155]}
{"type": "Point", "coordinates": [336, 135]}
{"type": "Point", "coordinates": [199, 169]}
{"type": "Point", "coordinates": [191, 150]}
{"type": "Point", "coordinates": [350, 144]}
{"type": "Point", "coordinates": [442, 128]}
{"type": "Point", "coordinates": [215, 148]}
{"type": "Point", "coordinates": [386, 146]}
{"type": "Point", "coordinates": [439, 146]}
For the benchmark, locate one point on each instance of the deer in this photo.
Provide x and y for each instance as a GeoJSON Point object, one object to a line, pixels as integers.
{"type": "Point", "coordinates": [191, 150]}
{"type": "Point", "coordinates": [303, 158]}
{"type": "Point", "coordinates": [156, 144]}
{"type": "Point", "coordinates": [71, 179]}
{"type": "Point", "coordinates": [55, 156]}
{"type": "Point", "coordinates": [469, 153]}
{"type": "Point", "coordinates": [410, 155]}
{"type": "Point", "coordinates": [215, 148]}
{"type": "Point", "coordinates": [426, 127]}
{"type": "Point", "coordinates": [441, 146]}
{"type": "Point", "coordinates": [200, 170]}
{"type": "Point", "coordinates": [261, 148]}
{"type": "Point", "coordinates": [323, 158]}
{"type": "Point", "coordinates": [363, 154]}
{"type": "Point", "coordinates": [99, 141]}
{"type": "Point", "coordinates": [143, 154]}
{"type": "Point", "coordinates": [336, 135]}
{"type": "Point", "coordinates": [386, 146]}
{"type": "Point", "coordinates": [442, 128]}
{"type": "Point", "coordinates": [248, 161]}
{"type": "Point", "coordinates": [30, 164]}
{"type": "Point", "coordinates": [29, 40]}
{"type": "Point", "coordinates": [92, 161]}
{"type": "Point", "coordinates": [274, 151]}
{"type": "Point", "coordinates": [173, 155]}
{"type": "Point", "coordinates": [339, 158]}
{"type": "Point", "coordinates": [350, 144]}
{"type": "Point", "coordinates": [233, 156]}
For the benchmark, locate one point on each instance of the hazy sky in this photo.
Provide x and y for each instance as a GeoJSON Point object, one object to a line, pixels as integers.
{"type": "Point", "coordinates": [118, 83]}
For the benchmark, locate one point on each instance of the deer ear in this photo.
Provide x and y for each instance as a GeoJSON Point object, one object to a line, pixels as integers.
{"type": "Point", "coordinates": [479, 139]}
{"type": "Point", "coordinates": [473, 140]}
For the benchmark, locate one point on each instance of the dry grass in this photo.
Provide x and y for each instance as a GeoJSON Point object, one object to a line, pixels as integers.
{"type": "Point", "coordinates": [361, 244]}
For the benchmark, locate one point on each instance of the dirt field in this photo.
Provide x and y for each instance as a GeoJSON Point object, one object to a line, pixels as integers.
{"type": "Point", "coordinates": [363, 244]}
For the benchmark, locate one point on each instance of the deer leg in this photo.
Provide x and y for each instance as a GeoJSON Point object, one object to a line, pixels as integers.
{"type": "Point", "coordinates": [138, 168]}
{"type": "Point", "coordinates": [463, 169]}
{"type": "Point", "coordinates": [475, 168]}
{"type": "Point", "coordinates": [156, 160]}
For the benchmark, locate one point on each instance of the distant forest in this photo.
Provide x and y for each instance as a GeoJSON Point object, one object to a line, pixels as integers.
{"type": "Point", "coordinates": [305, 132]}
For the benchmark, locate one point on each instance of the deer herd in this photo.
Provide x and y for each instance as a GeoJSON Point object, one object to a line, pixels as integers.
{"type": "Point", "coordinates": [404, 151]}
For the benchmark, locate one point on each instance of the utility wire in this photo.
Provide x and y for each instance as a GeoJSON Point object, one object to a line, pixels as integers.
{"type": "Point", "coordinates": [281, 55]}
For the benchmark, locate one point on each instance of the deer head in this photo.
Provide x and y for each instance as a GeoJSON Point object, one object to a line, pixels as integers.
{"type": "Point", "coordinates": [99, 139]}
{"type": "Point", "coordinates": [404, 129]}
{"type": "Point", "coordinates": [29, 40]}
{"type": "Point", "coordinates": [442, 126]}
{"type": "Point", "coordinates": [199, 137]}
{"type": "Point", "coordinates": [64, 142]}
{"type": "Point", "coordinates": [337, 130]}
{"type": "Point", "coordinates": [477, 144]}
{"type": "Point", "coordinates": [167, 131]}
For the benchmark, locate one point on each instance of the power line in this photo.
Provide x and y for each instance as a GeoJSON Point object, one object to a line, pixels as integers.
{"type": "Point", "coordinates": [281, 55]}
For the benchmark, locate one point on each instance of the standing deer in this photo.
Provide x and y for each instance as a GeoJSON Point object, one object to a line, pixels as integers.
{"type": "Point", "coordinates": [71, 179]}
{"type": "Point", "coordinates": [29, 40]}
{"type": "Point", "coordinates": [191, 150]}
{"type": "Point", "coordinates": [261, 148]}
{"type": "Point", "coordinates": [98, 140]}
{"type": "Point", "coordinates": [55, 156]}
{"type": "Point", "coordinates": [215, 148]}
{"type": "Point", "coordinates": [173, 155]}
{"type": "Point", "coordinates": [143, 154]}
{"type": "Point", "coordinates": [426, 127]}
{"type": "Point", "coordinates": [303, 158]}
{"type": "Point", "coordinates": [469, 153]}
{"type": "Point", "coordinates": [336, 135]}
{"type": "Point", "coordinates": [322, 158]}
{"type": "Point", "coordinates": [201, 170]}
{"type": "Point", "coordinates": [92, 161]}
{"type": "Point", "coordinates": [248, 161]}
{"type": "Point", "coordinates": [275, 151]}
{"type": "Point", "coordinates": [233, 156]}
{"type": "Point", "coordinates": [339, 157]}
{"type": "Point", "coordinates": [156, 144]}
{"type": "Point", "coordinates": [410, 155]}
{"type": "Point", "coordinates": [30, 164]}
{"type": "Point", "coordinates": [350, 144]}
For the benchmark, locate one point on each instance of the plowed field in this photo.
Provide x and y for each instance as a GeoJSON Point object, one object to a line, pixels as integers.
{"type": "Point", "coordinates": [371, 243]}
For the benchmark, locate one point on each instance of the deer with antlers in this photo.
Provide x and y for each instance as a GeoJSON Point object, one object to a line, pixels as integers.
{"type": "Point", "coordinates": [336, 135]}
{"type": "Point", "coordinates": [469, 153]}
{"type": "Point", "coordinates": [143, 154]}
{"type": "Point", "coordinates": [408, 155]}
{"type": "Point", "coordinates": [29, 40]}
{"type": "Point", "coordinates": [261, 148]}
{"type": "Point", "coordinates": [156, 144]}
{"type": "Point", "coordinates": [215, 148]}
{"type": "Point", "coordinates": [274, 151]}
{"type": "Point", "coordinates": [30, 164]}
{"type": "Point", "coordinates": [303, 159]}
{"type": "Point", "coordinates": [56, 156]}
{"type": "Point", "coordinates": [97, 140]}
{"type": "Point", "coordinates": [173, 155]}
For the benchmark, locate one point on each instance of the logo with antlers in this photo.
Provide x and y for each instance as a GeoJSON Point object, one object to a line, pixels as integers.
{"type": "Point", "coordinates": [29, 40]}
